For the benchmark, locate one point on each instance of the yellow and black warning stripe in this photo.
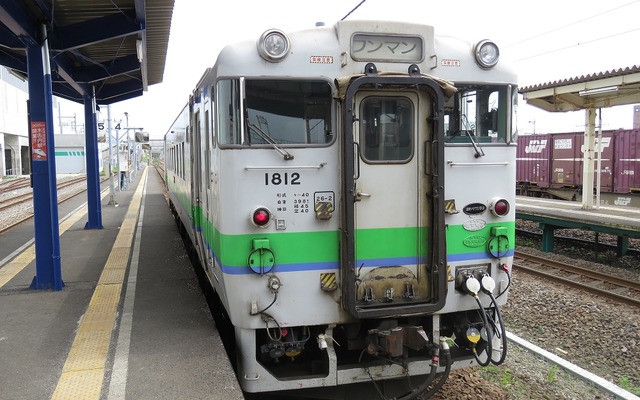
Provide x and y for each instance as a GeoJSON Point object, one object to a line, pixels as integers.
{"type": "Point", "coordinates": [450, 207]}
{"type": "Point", "coordinates": [328, 281]}
{"type": "Point", "coordinates": [324, 210]}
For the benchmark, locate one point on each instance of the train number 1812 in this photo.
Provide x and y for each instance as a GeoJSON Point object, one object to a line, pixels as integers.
{"type": "Point", "coordinates": [277, 178]}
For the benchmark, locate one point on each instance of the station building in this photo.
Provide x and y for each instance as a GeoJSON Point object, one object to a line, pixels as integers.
{"type": "Point", "coordinates": [69, 132]}
{"type": "Point", "coordinates": [14, 138]}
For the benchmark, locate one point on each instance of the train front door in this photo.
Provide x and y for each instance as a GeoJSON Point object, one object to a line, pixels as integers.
{"type": "Point", "coordinates": [392, 221]}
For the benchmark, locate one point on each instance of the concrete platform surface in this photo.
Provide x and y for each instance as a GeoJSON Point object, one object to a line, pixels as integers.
{"type": "Point", "coordinates": [131, 321]}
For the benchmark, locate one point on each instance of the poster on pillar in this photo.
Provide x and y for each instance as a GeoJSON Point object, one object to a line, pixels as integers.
{"type": "Point", "coordinates": [38, 141]}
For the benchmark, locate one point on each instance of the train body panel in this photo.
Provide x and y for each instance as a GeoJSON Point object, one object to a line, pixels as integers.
{"type": "Point", "coordinates": [473, 231]}
{"type": "Point", "coordinates": [344, 205]}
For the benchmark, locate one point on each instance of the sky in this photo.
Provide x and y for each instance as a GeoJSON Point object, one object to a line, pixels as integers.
{"type": "Point", "coordinates": [545, 40]}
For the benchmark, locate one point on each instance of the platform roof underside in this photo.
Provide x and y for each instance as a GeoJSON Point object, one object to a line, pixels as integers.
{"type": "Point", "coordinates": [116, 48]}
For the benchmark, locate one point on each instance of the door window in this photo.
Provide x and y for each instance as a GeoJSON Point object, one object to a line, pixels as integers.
{"type": "Point", "coordinates": [386, 130]}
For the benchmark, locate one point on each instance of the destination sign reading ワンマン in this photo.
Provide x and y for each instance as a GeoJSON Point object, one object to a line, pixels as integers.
{"type": "Point", "coordinates": [368, 47]}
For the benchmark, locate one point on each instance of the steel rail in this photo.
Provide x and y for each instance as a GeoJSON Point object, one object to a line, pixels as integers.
{"type": "Point", "coordinates": [29, 214]}
{"type": "Point", "coordinates": [552, 270]}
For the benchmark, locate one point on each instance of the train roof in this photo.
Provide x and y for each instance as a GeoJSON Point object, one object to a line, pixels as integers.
{"type": "Point", "coordinates": [443, 57]}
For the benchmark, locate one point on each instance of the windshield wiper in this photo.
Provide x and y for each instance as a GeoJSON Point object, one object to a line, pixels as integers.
{"type": "Point", "coordinates": [265, 136]}
{"type": "Point", "coordinates": [476, 146]}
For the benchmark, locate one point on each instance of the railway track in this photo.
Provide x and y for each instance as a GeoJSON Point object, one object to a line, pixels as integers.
{"type": "Point", "coordinates": [22, 198]}
{"type": "Point", "coordinates": [160, 170]}
{"type": "Point", "coordinates": [594, 244]}
{"type": "Point", "coordinates": [14, 184]}
{"type": "Point", "coordinates": [619, 289]}
{"type": "Point", "coordinates": [27, 214]}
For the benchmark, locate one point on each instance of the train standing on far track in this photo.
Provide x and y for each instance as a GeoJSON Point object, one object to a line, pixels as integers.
{"type": "Point", "coordinates": [551, 166]}
{"type": "Point", "coordinates": [349, 191]}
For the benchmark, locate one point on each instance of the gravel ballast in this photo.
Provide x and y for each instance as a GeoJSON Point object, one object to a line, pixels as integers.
{"type": "Point", "coordinates": [592, 332]}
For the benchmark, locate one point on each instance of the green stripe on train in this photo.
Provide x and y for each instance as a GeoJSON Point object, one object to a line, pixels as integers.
{"type": "Point", "coordinates": [311, 247]}
{"type": "Point", "coordinates": [391, 243]}
{"type": "Point", "coordinates": [323, 246]}
{"type": "Point", "coordinates": [462, 241]}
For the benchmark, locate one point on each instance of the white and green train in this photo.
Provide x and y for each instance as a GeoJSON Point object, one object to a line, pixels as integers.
{"type": "Point", "coordinates": [349, 191]}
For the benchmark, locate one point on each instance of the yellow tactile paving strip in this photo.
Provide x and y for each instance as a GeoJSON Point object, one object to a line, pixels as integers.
{"type": "Point", "coordinates": [83, 371]}
{"type": "Point", "coordinates": [25, 258]}
{"type": "Point", "coordinates": [16, 265]}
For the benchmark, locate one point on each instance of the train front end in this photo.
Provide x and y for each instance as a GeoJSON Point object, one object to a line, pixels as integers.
{"type": "Point", "coordinates": [363, 208]}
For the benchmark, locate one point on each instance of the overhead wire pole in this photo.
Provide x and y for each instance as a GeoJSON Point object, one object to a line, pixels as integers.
{"type": "Point", "coordinates": [126, 116]}
{"type": "Point", "coordinates": [128, 128]}
{"type": "Point", "coordinates": [112, 192]}
{"type": "Point", "coordinates": [120, 178]}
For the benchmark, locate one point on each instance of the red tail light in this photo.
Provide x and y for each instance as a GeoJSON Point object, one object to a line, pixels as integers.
{"type": "Point", "coordinates": [261, 217]}
{"type": "Point", "coordinates": [500, 207]}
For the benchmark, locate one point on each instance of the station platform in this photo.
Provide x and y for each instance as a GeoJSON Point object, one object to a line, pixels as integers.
{"type": "Point", "coordinates": [558, 214]}
{"type": "Point", "coordinates": [131, 321]}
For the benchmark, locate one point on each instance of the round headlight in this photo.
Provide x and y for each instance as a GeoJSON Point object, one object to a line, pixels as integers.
{"type": "Point", "coordinates": [273, 45]}
{"type": "Point", "coordinates": [487, 54]}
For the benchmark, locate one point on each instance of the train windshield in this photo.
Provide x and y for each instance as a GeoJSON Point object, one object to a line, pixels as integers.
{"type": "Point", "coordinates": [276, 112]}
{"type": "Point", "coordinates": [480, 114]}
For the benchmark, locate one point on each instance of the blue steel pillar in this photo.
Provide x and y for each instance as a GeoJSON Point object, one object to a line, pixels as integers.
{"type": "Point", "coordinates": [45, 197]}
{"type": "Point", "coordinates": [93, 173]}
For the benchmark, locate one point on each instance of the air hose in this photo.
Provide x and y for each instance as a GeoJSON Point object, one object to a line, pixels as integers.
{"type": "Point", "coordinates": [487, 329]}
{"type": "Point", "coordinates": [488, 285]}
{"type": "Point", "coordinates": [419, 391]}
{"type": "Point", "coordinates": [447, 370]}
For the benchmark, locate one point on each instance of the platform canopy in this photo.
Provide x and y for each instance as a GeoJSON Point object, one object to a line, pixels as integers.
{"type": "Point", "coordinates": [117, 47]}
{"type": "Point", "coordinates": [590, 93]}
{"type": "Point", "coordinates": [599, 90]}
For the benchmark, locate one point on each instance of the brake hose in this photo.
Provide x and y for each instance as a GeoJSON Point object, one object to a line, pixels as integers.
{"type": "Point", "coordinates": [488, 285]}
{"type": "Point", "coordinates": [447, 369]}
{"type": "Point", "coordinates": [503, 331]}
{"type": "Point", "coordinates": [505, 269]}
{"type": "Point", "coordinates": [487, 329]}
{"type": "Point", "coordinates": [418, 392]}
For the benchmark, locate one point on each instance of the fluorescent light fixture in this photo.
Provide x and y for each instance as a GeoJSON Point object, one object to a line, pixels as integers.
{"type": "Point", "coordinates": [602, 90]}
{"type": "Point", "coordinates": [139, 50]}
{"type": "Point", "coordinates": [16, 74]}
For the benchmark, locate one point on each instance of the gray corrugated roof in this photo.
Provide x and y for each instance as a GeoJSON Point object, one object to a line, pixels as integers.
{"type": "Point", "coordinates": [602, 89]}
{"type": "Point", "coordinates": [92, 42]}
{"type": "Point", "coordinates": [581, 79]}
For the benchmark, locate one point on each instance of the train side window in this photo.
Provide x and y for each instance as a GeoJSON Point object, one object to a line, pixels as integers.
{"type": "Point", "coordinates": [228, 111]}
{"type": "Point", "coordinates": [211, 119]}
{"type": "Point", "coordinates": [288, 112]}
{"type": "Point", "coordinates": [478, 111]}
{"type": "Point", "coordinates": [514, 114]}
{"type": "Point", "coordinates": [386, 129]}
